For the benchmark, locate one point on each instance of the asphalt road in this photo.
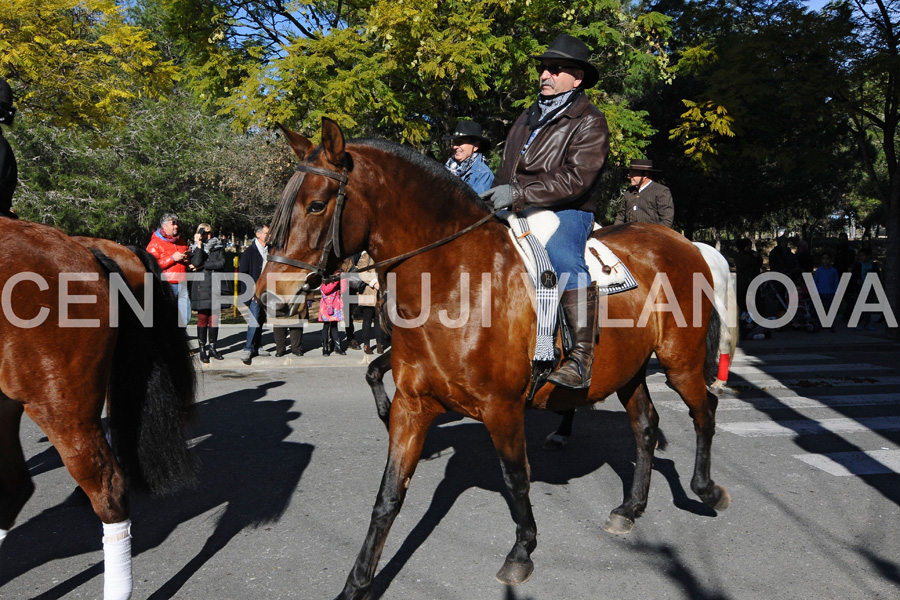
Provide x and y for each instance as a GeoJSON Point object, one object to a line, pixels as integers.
{"type": "Point", "coordinates": [292, 457]}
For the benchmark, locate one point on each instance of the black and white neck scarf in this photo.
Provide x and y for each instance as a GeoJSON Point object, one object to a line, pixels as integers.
{"type": "Point", "coordinates": [548, 107]}
{"type": "Point", "coordinates": [461, 168]}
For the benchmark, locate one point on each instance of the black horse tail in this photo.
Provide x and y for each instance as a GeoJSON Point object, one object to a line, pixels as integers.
{"type": "Point", "coordinates": [711, 364]}
{"type": "Point", "coordinates": [152, 387]}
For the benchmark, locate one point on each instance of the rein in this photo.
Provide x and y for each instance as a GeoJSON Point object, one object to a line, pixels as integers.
{"type": "Point", "coordinates": [334, 240]}
{"type": "Point", "coordinates": [432, 245]}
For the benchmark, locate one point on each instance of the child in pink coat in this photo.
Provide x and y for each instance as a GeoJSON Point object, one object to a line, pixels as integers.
{"type": "Point", "coordinates": [331, 312]}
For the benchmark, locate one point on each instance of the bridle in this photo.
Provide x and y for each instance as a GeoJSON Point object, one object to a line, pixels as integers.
{"type": "Point", "coordinates": [334, 238]}
{"type": "Point", "coordinates": [333, 243]}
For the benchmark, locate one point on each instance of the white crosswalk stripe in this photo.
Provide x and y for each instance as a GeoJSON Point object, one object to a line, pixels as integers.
{"type": "Point", "coordinates": [812, 427]}
{"type": "Point", "coordinates": [774, 369]}
{"type": "Point", "coordinates": [790, 399]}
{"type": "Point", "coordinates": [795, 396]}
{"type": "Point", "coordinates": [769, 385]}
{"type": "Point", "coordinates": [843, 464]}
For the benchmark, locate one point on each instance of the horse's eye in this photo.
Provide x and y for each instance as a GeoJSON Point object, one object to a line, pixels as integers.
{"type": "Point", "coordinates": [315, 207]}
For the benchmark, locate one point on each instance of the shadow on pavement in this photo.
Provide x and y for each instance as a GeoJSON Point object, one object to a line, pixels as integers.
{"type": "Point", "coordinates": [604, 438]}
{"type": "Point", "coordinates": [250, 473]}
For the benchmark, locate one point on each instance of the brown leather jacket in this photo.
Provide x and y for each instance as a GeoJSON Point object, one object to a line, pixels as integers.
{"type": "Point", "coordinates": [561, 168]}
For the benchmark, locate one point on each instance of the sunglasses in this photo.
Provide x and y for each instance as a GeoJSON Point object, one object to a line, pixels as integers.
{"type": "Point", "coordinates": [554, 68]}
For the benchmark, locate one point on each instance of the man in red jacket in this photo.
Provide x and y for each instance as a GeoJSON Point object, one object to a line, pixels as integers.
{"type": "Point", "coordinates": [174, 258]}
{"type": "Point", "coordinates": [552, 159]}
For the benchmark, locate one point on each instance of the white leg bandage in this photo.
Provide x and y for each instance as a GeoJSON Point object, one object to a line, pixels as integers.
{"type": "Point", "coordinates": [117, 581]}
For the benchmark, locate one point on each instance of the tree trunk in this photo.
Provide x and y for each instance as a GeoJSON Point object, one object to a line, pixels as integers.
{"type": "Point", "coordinates": [892, 260]}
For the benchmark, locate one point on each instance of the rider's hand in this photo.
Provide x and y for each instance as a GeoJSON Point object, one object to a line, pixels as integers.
{"type": "Point", "coordinates": [498, 197]}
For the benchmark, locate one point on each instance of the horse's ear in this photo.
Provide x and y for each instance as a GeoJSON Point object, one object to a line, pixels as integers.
{"type": "Point", "coordinates": [299, 144]}
{"type": "Point", "coordinates": [333, 142]}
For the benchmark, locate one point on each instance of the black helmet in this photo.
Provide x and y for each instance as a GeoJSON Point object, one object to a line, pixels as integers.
{"type": "Point", "coordinates": [6, 95]}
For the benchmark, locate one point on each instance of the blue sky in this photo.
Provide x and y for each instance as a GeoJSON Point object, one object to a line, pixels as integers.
{"type": "Point", "coordinates": [817, 4]}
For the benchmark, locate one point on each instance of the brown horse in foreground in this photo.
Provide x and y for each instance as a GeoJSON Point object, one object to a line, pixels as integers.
{"type": "Point", "coordinates": [64, 358]}
{"type": "Point", "coordinates": [464, 327]}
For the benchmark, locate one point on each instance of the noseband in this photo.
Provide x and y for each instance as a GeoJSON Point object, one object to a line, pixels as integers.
{"type": "Point", "coordinates": [334, 239]}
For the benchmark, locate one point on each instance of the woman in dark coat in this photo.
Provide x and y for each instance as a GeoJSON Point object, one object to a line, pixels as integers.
{"type": "Point", "coordinates": [207, 257]}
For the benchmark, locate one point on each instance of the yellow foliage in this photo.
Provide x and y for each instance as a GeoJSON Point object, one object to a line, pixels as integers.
{"type": "Point", "coordinates": [84, 65]}
{"type": "Point", "coordinates": [702, 126]}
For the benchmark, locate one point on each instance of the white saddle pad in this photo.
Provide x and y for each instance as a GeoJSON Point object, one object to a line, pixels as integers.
{"type": "Point", "coordinates": [542, 223]}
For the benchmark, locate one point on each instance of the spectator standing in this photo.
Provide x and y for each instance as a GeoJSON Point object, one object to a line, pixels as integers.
{"type": "Point", "coordinates": [331, 312]}
{"type": "Point", "coordinates": [9, 172]}
{"type": "Point", "coordinates": [827, 279]}
{"type": "Point", "coordinates": [349, 266]}
{"type": "Point", "coordinates": [747, 265]}
{"type": "Point", "coordinates": [805, 262]}
{"type": "Point", "coordinates": [207, 257]}
{"type": "Point", "coordinates": [368, 298]}
{"type": "Point", "coordinates": [252, 262]}
{"type": "Point", "coordinates": [467, 161]}
{"type": "Point", "coordinates": [844, 256]}
{"type": "Point", "coordinates": [863, 267]}
{"type": "Point", "coordinates": [782, 259]}
{"type": "Point", "coordinates": [174, 258]}
{"type": "Point", "coordinates": [645, 200]}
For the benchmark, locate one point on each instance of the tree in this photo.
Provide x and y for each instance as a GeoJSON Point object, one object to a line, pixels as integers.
{"type": "Point", "coordinates": [408, 70]}
{"type": "Point", "coordinates": [750, 121]}
{"type": "Point", "coordinates": [168, 157]}
{"type": "Point", "coordinates": [75, 62]}
{"type": "Point", "coordinates": [871, 95]}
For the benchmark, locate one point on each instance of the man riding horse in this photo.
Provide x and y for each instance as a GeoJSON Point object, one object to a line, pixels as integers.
{"type": "Point", "coordinates": [552, 159]}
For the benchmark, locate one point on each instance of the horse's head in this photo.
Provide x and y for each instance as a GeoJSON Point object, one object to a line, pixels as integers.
{"type": "Point", "coordinates": [314, 226]}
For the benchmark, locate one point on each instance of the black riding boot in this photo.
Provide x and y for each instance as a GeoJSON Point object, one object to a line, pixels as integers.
{"type": "Point", "coordinates": [201, 341]}
{"type": "Point", "coordinates": [575, 371]}
{"type": "Point", "coordinates": [213, 339]}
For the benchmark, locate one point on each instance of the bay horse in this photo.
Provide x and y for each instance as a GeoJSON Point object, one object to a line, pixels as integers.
{"type": "Point", "coordinates": [725, 303]}
{"type": "Point", "coordinates": [65, 357]}
{"type": "Point", "coordinates": [347, 196]}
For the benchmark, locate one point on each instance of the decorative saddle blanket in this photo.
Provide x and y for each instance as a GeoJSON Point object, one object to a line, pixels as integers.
{"type": "Point", "coordinates": [542, 224]}
{"type": "Point", "coordinates": [530, 230]}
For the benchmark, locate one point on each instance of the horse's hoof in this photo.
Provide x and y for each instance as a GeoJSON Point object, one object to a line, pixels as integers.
{"type": "Point", "coordinates": [724, 391]}
{"type": "Point", "coordinates": [515, 573]}
{"type": "Point", "coordinates": [724, 500]}
{"type": "Point", "coordinates": [555, 441]}
{"type": "Point", "coordinates": [618, 525]}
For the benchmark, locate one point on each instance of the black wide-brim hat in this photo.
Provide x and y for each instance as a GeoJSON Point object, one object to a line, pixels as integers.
{"type": "Point", "coordinates": [640, 164]}
{"type": "Point", "coordinates": [470, 129]}
{"type": "Point", "coordinates": [571, 49]}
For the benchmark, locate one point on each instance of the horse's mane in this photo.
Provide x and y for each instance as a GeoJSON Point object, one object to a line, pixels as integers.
{"type": "Point", "coordinates": [440, 180]}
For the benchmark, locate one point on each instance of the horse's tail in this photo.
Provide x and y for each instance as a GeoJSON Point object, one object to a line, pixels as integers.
{"type": "Point", "coordinates": [152, 388]}
{"type": "Point", "coordinates": [713, 331]}
{"type": "Point", "coordinates": [731, 316]}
